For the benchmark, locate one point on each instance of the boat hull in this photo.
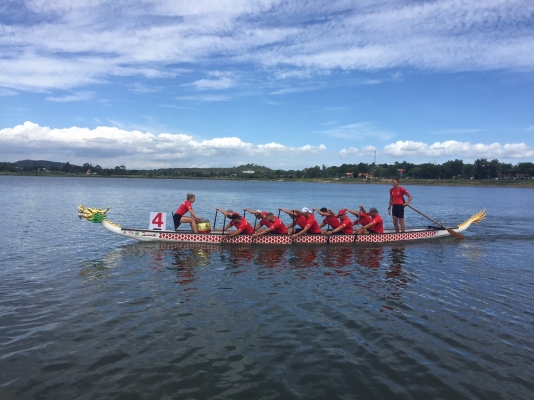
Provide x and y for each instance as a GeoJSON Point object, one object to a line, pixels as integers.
{"type": "Point", "coordinates": [274, 239]}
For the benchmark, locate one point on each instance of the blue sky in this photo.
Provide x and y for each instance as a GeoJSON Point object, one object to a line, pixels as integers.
{"type": "Point", "coordinates": [285, 84]}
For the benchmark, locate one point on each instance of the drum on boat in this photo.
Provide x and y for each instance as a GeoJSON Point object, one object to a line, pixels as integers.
{"type": "Point", "coordinates": [204, 226]}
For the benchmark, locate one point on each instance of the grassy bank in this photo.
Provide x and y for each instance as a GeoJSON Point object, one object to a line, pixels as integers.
{"type": "Point", "coordinates": [357, 181]}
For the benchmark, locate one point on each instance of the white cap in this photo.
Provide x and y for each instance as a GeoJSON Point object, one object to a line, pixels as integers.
{"type": "Point", "coordinates": [306, 209]}
{"type": "Point", "coordinates": [258, 211]}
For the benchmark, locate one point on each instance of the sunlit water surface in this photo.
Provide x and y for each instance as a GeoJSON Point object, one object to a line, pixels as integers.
{"type": "Point", "coordinates": [87, 314]}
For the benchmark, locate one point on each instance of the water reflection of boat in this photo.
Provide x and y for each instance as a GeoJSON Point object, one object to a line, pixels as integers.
{"type": "Point", "coordinates": [147, 235]}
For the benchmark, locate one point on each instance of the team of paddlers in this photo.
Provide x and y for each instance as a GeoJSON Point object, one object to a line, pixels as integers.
{"type": "Point", "coordinates": [303, 221]}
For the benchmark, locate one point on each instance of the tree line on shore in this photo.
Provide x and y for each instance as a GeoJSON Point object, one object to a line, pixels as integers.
{"type": "Point", "coordinates": [457, 169]}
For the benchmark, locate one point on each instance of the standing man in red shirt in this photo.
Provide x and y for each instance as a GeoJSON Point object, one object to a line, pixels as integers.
{"type": "Point", "coordinates": [375, 226]}
{"type": "Point", "coordinates": [311, 224]}
{"type": "Point", "coordinates": [345, 225]}
{"type": "Point", "coordinates": [241, 224]}
{"type": "Point", "coordinates": [396, 200]}
{"type": "Point", "coordinates": [184, 208]}
{"type": "Point", "coordinates": [275, 226]}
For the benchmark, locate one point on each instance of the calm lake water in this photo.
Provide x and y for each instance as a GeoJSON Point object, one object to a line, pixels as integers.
{"type": "Point", "coordinates": [86, 314]}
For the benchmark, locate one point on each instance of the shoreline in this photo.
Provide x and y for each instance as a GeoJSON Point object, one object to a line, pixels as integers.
{"type": "Point", "coordinates": [348, 181]}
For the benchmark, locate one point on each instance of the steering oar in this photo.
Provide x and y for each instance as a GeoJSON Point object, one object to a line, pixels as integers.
{"type": "Point", "coordinates": [451, 231]}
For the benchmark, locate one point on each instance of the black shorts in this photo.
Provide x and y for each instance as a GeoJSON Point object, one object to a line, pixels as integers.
{"type": "Point", "coordinates": [176, 218]}
{"type": "Point", "coordinates": [397, 210]}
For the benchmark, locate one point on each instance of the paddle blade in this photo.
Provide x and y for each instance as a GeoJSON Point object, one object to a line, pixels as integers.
{"type": "Point", "coordinates": [455, 234]}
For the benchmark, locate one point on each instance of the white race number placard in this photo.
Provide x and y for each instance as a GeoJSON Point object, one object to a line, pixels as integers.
{"type": "Point", "coordinates": [157, 221]}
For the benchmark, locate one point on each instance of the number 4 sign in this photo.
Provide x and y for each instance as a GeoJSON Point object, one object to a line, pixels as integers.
{"type": "Point", "coordinates": [157, 221]}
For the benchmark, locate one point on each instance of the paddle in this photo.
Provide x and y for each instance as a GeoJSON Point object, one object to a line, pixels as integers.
{"type": "Point", "coordinates": [215, 220]}
{"type": "Point", "coordinates": [255, 222]}
{"type": "Point", "coordinates": [451, 231]}
{"type": "Point", "coordinates": [328, 228]}
{"type": "Point", "coordinates": [294, 229]}
{"type": "Point", "coordinates": [224, 223]}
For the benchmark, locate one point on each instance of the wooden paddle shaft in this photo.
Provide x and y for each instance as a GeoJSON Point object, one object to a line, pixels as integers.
{"type": "Point", "coordinates": [426, 216]}
{"type": "Point", "coordinates": [450, 230]}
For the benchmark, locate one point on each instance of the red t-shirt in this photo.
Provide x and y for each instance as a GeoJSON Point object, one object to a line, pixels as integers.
{"type": "Point", "coordinates": [184, 207]}
{"type": "Point", "coordinates": [313, 226]}
{"type": "Point", "coordinates": [347, 226]}
{"type": "Point", "coordinates": [378, 224]}
{"type": "Point", "coordinates": [278, 226]}
{"type": "Point", "coordinates": [332, 221]}
{"type": "Point", "coordinates": [243, 226]}
{"type": "Point", "coordinates": [398, 195]}
{"type": "Point", "coordinates": [264, 221]}
{"type": "Point", "coordinates": [300, 220]}
{"type": "Point", "coordinates": [364, 219]}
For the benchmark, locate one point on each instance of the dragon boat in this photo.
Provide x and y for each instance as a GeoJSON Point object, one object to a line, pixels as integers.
{"type": "Point", "coordinates": [183, 236]}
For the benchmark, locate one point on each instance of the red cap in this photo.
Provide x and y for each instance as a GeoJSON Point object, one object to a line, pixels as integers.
{"type": "Point", "coordinates": [342, 212]}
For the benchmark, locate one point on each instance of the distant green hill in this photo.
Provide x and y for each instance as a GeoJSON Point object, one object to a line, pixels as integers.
{"type": "Point", "coordinates": [39, 163]}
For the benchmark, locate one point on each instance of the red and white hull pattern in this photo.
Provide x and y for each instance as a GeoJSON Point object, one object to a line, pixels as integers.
{"type": "Point", "coordinates": [147, 235]}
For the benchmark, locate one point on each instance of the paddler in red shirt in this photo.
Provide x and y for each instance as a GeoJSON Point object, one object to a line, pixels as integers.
{"type": "Point", "coordinates": [311, 224]}
{"type": "Point", "coordinates": [241, 224]}
{"type": "Point", "coordinates": [363, 216]}
{"type": "Point", "coordinates": [345, 226]}
{"type": "Point", "coordinates": [185, 207]}
{"type": "Point", "coordinates": [275, 226]}
{"type": "Point", "coordinates": [375, 226]}
{"type": "Point", "coordinates": [297, 219]}
{"type": "Point", "coordinates": [331, 220]}
{"type": "Point", "coordinates": [396, 200]}
{"type": "Point", "coordinates": [262, 217]}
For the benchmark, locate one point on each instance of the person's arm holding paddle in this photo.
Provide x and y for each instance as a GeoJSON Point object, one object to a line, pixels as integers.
{"type": "Point", "coordinates": [290, 212]}
{"type": "Point", "coordinates": [226, 213]}
{"type": "Point", "coordinates": [302, 232]}
{"type": "Point", "coordinates": [356, 213]}
{"type": "Point", "coordinates": [225, 228]}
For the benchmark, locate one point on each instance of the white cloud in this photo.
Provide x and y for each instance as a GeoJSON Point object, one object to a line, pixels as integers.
{"type": "Point", "coordinates": [358, 131]}
{"type": "Point", "coordinates": [205, 98]}
{"type": "Point", "coordinates": [452, 148]}
{"type": "Point", "coordinates": [142, 88]}
{"type": "Point", "coordinates": [530, 128]}
{"type": "Point", "coordinates": [109, 146]}
{"type": "Point", "coordinates": [219, 80]}
{"type": "Point", "coordinates": [354, 151]}
{"type": "Point", "coordinates": [457, 131]}
{"type": "Point", "coordinates": [64, 44]}
{"type": "Point", "coordinates": [7, 92]}
{"type": "Point", "coordinates": [80, 96]}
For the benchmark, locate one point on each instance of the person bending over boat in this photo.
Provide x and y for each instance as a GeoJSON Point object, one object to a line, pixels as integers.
{"type": "Point", "coordinates": [184, 208]}
{"type": "Point", "coordinates": [375, 226]}
{"type": "Point", "coordinates": [345, 226]}
{"type": "Point", "coordinates": [363, 216]}
{"type": "Point", "coordinates": [226, 213]}
{"type": "Point", "coordinates": [297, 219]}
{"type": "Point", "coordinates": [331, 220]}
{"type": "Point", "coordinates": [396, 201]}
{"type": "Point", "coordinates": [262, 216]}
{"type": "Point", "coordinates": [276, 226]}
{"type": "Point", "coordinates": [311, 224]}
{"type": "Point", "coordinates": [241, 224]}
